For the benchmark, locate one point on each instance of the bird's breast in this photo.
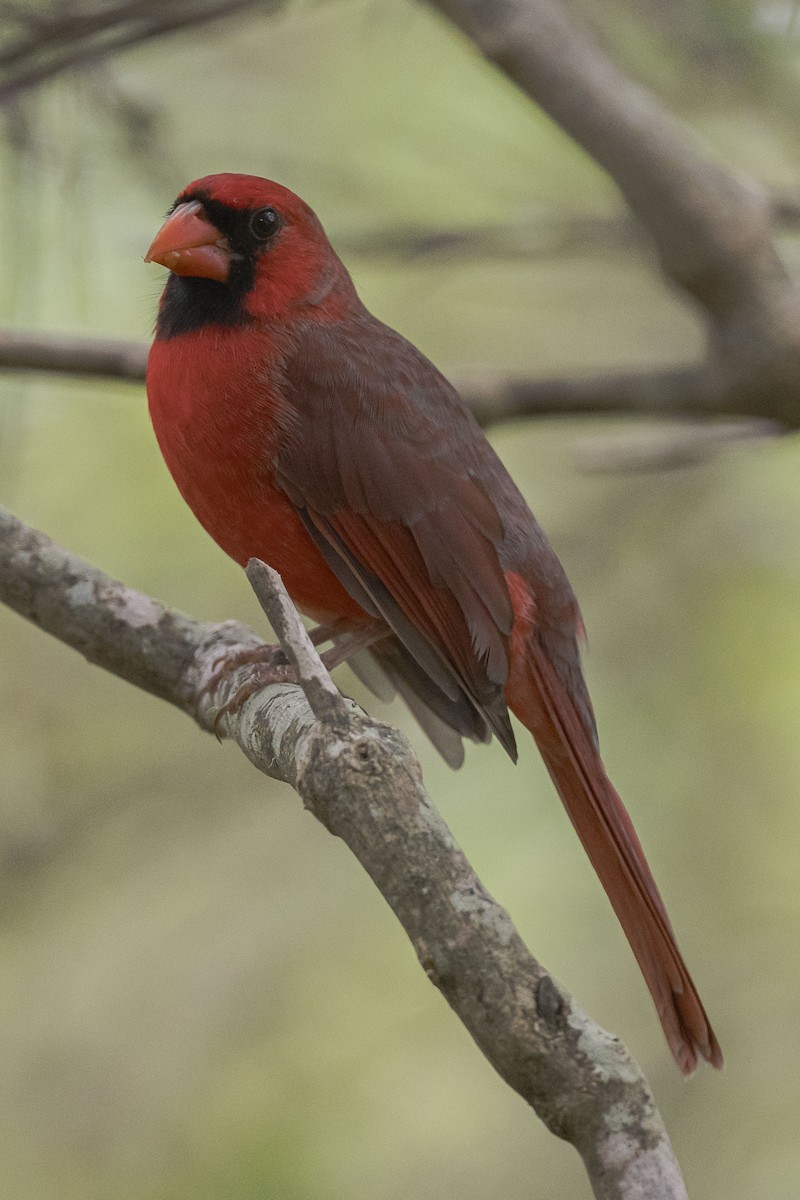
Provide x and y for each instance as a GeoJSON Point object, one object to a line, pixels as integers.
{"type": "Point", "coordinates": [218, 422]}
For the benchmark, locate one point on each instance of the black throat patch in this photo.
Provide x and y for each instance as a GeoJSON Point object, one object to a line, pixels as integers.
{"type": "Point", "coordinates": [191, 302]}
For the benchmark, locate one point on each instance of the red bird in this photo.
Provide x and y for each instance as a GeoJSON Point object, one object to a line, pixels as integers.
{"type": "Point", "coordinates": [302, 431]}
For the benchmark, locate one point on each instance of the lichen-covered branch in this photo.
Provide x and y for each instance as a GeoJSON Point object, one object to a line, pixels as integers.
{"type": "Point", "coordinates": [362, 781]}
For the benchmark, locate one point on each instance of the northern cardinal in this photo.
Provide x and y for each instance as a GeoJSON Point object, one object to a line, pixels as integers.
{"type": "Point", "coordinates": [302, 431]}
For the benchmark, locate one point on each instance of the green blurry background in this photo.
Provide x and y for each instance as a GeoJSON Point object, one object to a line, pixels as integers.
{"type": "Point", "coordinates": [202, 995]}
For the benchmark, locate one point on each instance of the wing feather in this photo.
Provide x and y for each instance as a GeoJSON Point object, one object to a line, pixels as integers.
{"type": "Point", "coordinates": [388, 485]}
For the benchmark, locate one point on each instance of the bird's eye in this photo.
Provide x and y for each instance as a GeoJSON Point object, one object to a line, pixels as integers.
{"type": "Point", "coordinates": [264, 224]}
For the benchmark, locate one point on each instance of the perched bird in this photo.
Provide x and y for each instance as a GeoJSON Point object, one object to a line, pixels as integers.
{"type": "Point", "coordinates": [302, 431]}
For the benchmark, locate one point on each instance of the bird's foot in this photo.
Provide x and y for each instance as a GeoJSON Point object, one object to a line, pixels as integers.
{"type": "Point", "coordinates": [268, 664]}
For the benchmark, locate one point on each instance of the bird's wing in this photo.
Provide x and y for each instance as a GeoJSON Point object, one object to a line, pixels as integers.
{"type": "Point", "coordinates": [384, 469]}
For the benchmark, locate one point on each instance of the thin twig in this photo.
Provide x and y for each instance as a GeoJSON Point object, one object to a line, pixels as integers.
{"type": "Point", "coordinates": [668, 447]}
{"type": "Point", "coordinates": [72, 40]}
{"type": "Point", "coordinates": [320, 691]}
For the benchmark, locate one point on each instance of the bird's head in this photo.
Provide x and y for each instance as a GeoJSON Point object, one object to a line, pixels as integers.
{"type": "Point", "coordinates": [244, 248]}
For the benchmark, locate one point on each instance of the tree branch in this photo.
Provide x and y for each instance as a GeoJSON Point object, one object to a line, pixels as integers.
{"type": "Point", "coordinates": [669, 392]}
{"type": "Point", "coordinates": [67, 38]}
{"type": "Point", "coordinates": [105, 358]}
{"type": "Point", "coordinates": [710, 228]}
{"type": "Point", "coordinates": [361, 780]}
{"type": "Point", "coordinates": [667, 447]}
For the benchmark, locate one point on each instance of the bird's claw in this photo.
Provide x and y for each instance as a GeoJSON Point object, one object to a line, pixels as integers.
{"type": "Point", "coordinates": [268, 665]}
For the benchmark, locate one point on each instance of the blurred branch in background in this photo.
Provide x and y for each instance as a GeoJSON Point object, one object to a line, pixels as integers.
{"type": "Point", "coordinates": [712, 230]}
{"type": "Point", "coordinates": [580, 1081]}
{"type": "Point", "coordinates": [544, 237]}
{"type": "Point", "coordinates": [44, 43]}
{"type": "Point", "coordinates": [106, 358]}
{"type": "Point", "coordinates": [669, 393]}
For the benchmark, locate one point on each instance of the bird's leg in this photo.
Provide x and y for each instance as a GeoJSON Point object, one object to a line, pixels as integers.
{"type": "Point", "coordinates": [326, 633]}
{"type": "Point", "coordinates": [359, 639]}
{"type": "Point", "coordinates": [269, 665]}
{"type": "Point", "coordinates": [266, 654]}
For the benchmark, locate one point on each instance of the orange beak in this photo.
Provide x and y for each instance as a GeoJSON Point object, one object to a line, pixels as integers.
{"type": "Point", "coordinates": [188, 244]}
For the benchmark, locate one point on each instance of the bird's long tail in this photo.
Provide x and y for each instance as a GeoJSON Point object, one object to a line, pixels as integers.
{"type": "Point", "coordinates": [542, 702]}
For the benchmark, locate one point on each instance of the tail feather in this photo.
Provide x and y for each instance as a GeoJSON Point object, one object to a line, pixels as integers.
{"type": "Point", "coordinates": [608, 836]}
